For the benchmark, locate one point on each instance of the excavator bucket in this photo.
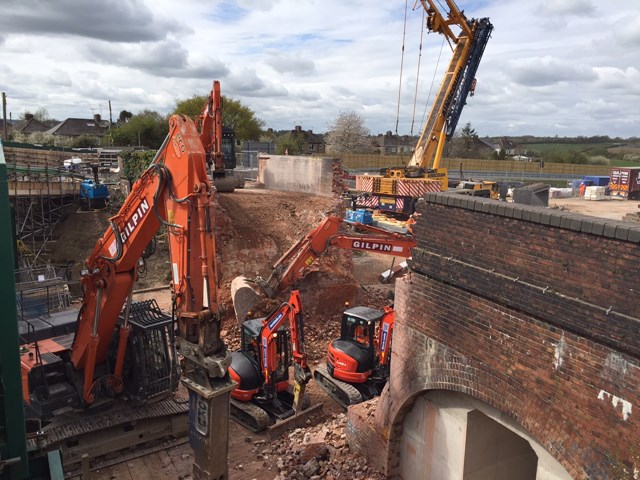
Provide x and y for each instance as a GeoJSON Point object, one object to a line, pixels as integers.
{"type": "Point", "coordinates": [245, 294]}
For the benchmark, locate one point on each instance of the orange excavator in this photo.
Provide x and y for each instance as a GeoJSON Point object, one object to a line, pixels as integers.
{"type": "Point", "coordinates": [261, 368]}
{"type": "Point", "coordinates": [295, 263]}
{"type": "Point", "coordinates": [358, 362]}
{"type": "Point", "coordinates": [126, 348]}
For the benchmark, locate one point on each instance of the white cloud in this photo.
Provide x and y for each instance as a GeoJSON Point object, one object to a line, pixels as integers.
{"type": "Point", "coordinates": [548, 65]}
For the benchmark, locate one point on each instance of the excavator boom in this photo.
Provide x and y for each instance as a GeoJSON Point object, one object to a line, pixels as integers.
{"type": "Point", "coordinates": [174, 192]}
{"type": "Point", "coordinates": [295, 263]}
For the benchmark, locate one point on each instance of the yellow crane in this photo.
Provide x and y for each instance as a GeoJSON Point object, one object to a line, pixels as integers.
{"type": "Point", "coordinates": [396, 189]}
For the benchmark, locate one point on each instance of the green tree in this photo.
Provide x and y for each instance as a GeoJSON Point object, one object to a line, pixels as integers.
{"type": "Point", "coordinates": [235, 115]}
{"type": "Point", "coordinates": [291, 143]}
{"type": "Point", "coordinates": [134, 163]}
{"type": "Point", "coordinates": [469, 138]}
{"type": "Point", "coordinates": [148, 128]}
{"type": "Point", "coordinates": [348, 134]}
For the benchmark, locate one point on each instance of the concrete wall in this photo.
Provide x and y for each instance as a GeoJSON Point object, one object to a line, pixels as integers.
{"type": "Point", "coordinates": [315, 175]}
{"type": "Point", "coordinates": [530, 311]}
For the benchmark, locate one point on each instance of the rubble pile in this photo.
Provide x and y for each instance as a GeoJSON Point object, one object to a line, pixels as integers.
{"type": "Point", "coordinates": [314, 453]}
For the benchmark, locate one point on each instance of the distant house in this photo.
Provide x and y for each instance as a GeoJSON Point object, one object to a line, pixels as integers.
{"type": "Point", "coordinates": [390, 144]}
{"type": "Point", "coordinates": [313, 142]}
{"type": "Point", "coordinates": [29, 125]}
{"type": "Point", "coordinates": [77, 127]}
{"type": "Point", "coordinates": [507, 146]}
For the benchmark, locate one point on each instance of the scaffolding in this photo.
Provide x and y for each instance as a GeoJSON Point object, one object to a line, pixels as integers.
{"type": "Point", "coordinates": [40, 190]}
{"type": "Point", "coordinates": [41, 291]}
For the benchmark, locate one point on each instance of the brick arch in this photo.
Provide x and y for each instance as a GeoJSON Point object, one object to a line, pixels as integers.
{"type": "Point", "coordinates": [452, 373]}
{"type": "Point", "coordinates": [532, 311]}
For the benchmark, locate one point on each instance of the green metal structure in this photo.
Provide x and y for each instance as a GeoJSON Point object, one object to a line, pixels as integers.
{"type": "Point", "coordinates": [13, 441]}
{"type": "Point", "coordinates": [16, 460]}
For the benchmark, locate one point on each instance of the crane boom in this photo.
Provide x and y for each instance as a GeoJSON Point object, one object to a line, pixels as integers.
{"type": "Point", "coordinates": [396, 189]}
{"type": "Point", "coordinates": [456, 85]}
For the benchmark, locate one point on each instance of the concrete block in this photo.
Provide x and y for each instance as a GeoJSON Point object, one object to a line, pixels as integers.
{"type": "Point", "coordinates": [587, 225]}
{"type": "Point", "coordinates": [634, 234]}
{"type": "Point", "coordinates": [517, 212]}
{"type": "Point", "coordinates": [622, 232]}
{"type": "Point", "coordinates": [566, 220]}
{"type": "Point", "coordinates": [609, 230]}
{"type": "Point", "coordinates": [556, 219]}
{"type": "Point", "coordinates": [597, 227]}
{"type": "Point", "coordinates": [545, 217]}
{"type": "Point", "coordinates": [510, 210]}
{"type": "Point", "coordinates": [576, 224]}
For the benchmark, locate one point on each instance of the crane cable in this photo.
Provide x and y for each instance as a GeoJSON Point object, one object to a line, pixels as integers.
{"type": "Point", "coordinates": [435, 70]}
{"type": "Point", "coordinates": [415, 95]}
{"type": "Point", "coordinates": [404, 35]}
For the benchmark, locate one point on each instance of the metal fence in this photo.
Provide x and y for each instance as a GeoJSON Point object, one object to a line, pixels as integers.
{"type": "Point", "coordinates": [40, 291]}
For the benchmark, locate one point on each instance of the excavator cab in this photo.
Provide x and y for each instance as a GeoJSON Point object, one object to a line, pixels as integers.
{"type": "Point", "coordinates": [352, 357]}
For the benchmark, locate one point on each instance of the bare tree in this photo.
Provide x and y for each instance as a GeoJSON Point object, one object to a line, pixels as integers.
{"type": "Point", "coordinates": [348, 134]}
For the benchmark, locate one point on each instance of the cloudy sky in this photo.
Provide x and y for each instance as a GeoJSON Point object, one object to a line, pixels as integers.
{"type": "Point", "coordinates": [552, 67]}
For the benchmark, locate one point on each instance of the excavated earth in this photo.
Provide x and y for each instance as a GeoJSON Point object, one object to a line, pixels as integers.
{"type": "Point", "coordinates": [254, 226]}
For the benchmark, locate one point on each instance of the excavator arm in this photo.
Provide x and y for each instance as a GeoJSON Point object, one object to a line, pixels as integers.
{"type": "Point", "coordinates": [295, 263]}
{"type": "Point", "coordinates": [290, 311]}
{"type": "Point", "coordinates": [174, 192]}
{"type": "Point", "coordinates": [210, 126]}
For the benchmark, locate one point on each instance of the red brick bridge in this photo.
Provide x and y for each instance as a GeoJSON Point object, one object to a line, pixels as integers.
{"type": "Point", "coordinates": [516, 348]}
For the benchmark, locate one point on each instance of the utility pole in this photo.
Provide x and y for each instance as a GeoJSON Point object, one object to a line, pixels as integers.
{"type": "Point", "coordinates": [4, 116]}
{"type": "Point", "coordinates": [110, 115]}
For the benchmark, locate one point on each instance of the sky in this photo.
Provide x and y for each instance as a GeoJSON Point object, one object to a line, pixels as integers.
{"type": "Point", "coordinates": [551, 67]}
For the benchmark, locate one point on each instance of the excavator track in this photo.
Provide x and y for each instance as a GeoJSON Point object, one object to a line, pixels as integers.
{"type": "Point", "coordinates": [250, 416]}
{"type": "Point", "coordinates": [342, 392]}
{"type": "Point", "coordinates": [122, 426]}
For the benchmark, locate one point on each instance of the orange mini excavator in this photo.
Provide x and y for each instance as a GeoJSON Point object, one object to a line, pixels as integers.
{"type": "Point", "coordinates": [358, 362]}
{"type": "Point", "coordinates": [261, 368]}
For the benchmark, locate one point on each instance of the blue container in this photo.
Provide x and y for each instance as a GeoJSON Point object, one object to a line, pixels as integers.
{"type": "Point", "coordinates": [88, 189]}
{"type": "Point", "coordinates": [597, 180]}
{"type": "Point", "coordinates": [360, 216]}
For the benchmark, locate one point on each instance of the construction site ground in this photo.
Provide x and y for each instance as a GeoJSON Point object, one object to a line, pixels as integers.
{"type": "Point", "coordinates": [254, 227]}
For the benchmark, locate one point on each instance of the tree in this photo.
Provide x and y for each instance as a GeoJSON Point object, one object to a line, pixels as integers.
{"type": "Point", "coordinates": [41, 114]}
{"type": "Point", "coordinates": [243, 121]}
{"type": "Point", "coordinates": [148, 128]}
{"type": "Point", "coordinates": [348, 134]}
{"type": "Point", "coordinates": [124, 116]}
{"type": "Point", "coordinates": [469, 138]}
{"type": "Point", "coordinates": [291, 143]}
{"type": "Point", "coordinates": [134, 163]}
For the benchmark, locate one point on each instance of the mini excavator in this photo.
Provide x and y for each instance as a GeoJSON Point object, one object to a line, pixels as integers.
{"type": "Point", "coordinates": [261, 368]}
{"type": "Point", "coordinates": [358, 362]}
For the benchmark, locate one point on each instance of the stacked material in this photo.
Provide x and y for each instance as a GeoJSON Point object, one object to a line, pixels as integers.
{"type": "Point", "coordinates": [595, 193]}
{"type": "Point", "coordinates": [561, 192]}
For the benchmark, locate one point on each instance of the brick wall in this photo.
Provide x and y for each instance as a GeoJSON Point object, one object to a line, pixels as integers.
{"type": "Point", "coordinates": [530, 310]}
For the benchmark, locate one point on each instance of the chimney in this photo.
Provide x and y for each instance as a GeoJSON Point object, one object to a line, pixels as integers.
{"type": "Point", "coordinates": [96, 119]}
{"type": "Point", "coordinates": [298, 128]}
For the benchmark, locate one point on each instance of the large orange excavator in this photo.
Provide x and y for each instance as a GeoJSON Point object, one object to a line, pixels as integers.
{"type": "Point", "coordinates": [295, 263]}
{"type": "Point", "coordinates": [358, 362]}
{"type": "Point", "coordinates": [120, 347]}
{"type": "Point", "coordinates": [261, 368]}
